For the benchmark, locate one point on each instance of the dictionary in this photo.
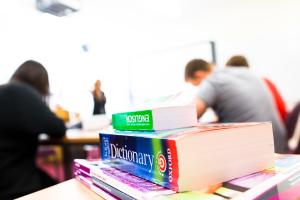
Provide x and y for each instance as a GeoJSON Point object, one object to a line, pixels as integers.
{"type": "Point", "coordinates": [156, 119]}
{"type": "Point", "coordinates": [120, 184]}
{"type": "Point", "coordinates": [191, 158]}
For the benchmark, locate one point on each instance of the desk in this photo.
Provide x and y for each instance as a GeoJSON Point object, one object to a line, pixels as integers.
{"type": "Point", "coordinates": [286, 180]}
{"type": "Point", "coordinates": [71, 189]}
{"type": "Point", "coordinates": [81, 136]}
{"type": "Point", "coordinates": [73, 138]}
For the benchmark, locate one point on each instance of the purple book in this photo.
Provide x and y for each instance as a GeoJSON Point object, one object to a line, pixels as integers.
{"type": "Point", "coordinates": [87, 181]}
{"type": "Point", "coordinates": [134, 186]}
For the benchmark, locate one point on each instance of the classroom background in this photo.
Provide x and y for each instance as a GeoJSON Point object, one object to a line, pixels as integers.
{"type": "Point", "coordinates": [114, 40]}
{"type": "Point", "coordinates": [107, 57]}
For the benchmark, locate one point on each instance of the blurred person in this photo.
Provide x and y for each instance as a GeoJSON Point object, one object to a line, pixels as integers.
{"type": "Point", "coordinates": [24, 115]}
{"type": "Point", "coordinates": [241, 61]}
{"type": "Point", "coordinates": [99, 99]}
{"type": "Point", "coordinates": [33, 74]}
{"type": "Point", "coordinates": [236, 95]}
{"type": "Point", "coordinates": [293, 129]}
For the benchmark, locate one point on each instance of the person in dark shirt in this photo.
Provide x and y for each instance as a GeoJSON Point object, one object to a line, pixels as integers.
{"type": "Point", "coordinates": [99, 99]}
{"type": "Point", "coordinates": [24, 115]}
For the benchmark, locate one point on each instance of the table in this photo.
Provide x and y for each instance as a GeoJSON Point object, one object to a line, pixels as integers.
{"type": "Point", "coordinates": [70, 189]}
{"type": "Point", "coordinates": [73, 138]}
{"type": "Point", "coordinates": [287, 177]}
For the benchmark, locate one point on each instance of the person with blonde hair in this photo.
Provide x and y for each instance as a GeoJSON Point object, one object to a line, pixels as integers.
{"type": "Point", "coordinates": [99, 99]}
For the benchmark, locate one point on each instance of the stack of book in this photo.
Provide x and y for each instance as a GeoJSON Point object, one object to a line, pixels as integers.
{"type": "Point", "coordinates": [110, 183]}
{"type": "Point", "coordinates": [120, 185]}
{"type": "Point", "coordinates": [158, 152]}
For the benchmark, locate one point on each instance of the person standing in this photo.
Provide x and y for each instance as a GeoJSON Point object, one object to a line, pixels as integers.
{"type": "Point", "coordinates": [99, 99]}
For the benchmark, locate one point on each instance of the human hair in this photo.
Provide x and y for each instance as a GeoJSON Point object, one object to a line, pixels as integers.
{"type": "Point", "coordinates": [196, 65]}
{"type": "Point", "coordinates": [34, 74]}
{"type": "Point", "coordinates": [237, 61]}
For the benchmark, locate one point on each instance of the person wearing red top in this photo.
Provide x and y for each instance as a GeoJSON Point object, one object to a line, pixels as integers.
{"type": "Point", "coordinates": [241, 61]}
{"type": "Point", "coordinates": [280, 104]}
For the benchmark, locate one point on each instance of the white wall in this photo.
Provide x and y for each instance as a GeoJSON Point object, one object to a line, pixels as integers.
{"type": "Point", "coordinates": [267, 32]}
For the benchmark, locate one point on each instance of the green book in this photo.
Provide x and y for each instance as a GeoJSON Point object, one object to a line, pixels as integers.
{"type": "Point", "coordinates": [156, 119]}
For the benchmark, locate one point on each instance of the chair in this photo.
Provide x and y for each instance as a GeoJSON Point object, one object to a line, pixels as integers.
{"type": "Point", "coordinates": [293, 129]}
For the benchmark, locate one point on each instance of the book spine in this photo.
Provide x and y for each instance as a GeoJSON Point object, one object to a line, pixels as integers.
{"type": "Point", "coordinates": [111, 189]}
{"type": "Point", "coordinates": [109, 178]}
{"type": "Point", "coordinates": [103, 193]}
{"type": "Point", "coordinates": [98, 190]}
{"type": "Point", "coordinates": [137, 187]}
{"type": "Point", "coordinates": [139, 120]}
{"type": "Point", "coordinates": [153, 159]}
{"type": "Point", "coordinates": [78, 165]}
{"type": "Point", "coordinates": [85, 181]}
{"type": "Point", "coordinates": [81, 173]}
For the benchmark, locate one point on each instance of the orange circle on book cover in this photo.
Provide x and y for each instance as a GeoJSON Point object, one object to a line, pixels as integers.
{"type": "Point", "coordinates": [162, 163]}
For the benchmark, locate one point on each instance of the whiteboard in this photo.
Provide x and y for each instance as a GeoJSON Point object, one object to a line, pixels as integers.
{"type": "Point", "coordinates": [161, 73]}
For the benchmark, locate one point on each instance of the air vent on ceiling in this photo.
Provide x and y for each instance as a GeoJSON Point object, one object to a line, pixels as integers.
{"type": "Point", "coordinates": [58, 7]}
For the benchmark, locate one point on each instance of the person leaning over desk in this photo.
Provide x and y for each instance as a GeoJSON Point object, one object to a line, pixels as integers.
{"type": "Point", "coordinates": [236, 95]}
{"type": "Point", "coordinates": [241, 61]}
{"type": "Point", "coordinates": [24, 115]}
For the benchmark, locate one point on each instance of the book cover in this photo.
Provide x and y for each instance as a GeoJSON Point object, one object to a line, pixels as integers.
{"type": "Point", "coordinates": [139, 120]}
{"type": "Point", "coordinates": [162, 118]}
{"type": "Point", "coordinates": [143, 157]}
